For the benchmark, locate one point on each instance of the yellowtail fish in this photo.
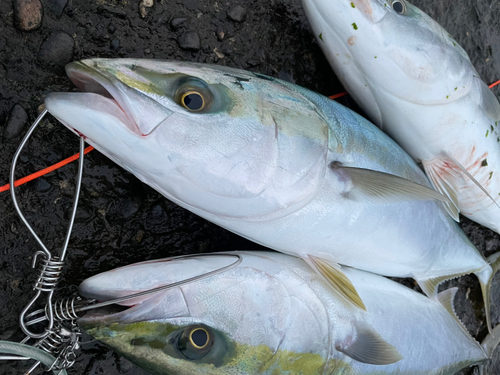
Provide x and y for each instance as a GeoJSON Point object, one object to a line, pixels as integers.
{"type": "Point", "coordinates": [272, 314]}
{"type": "Point", "coordinates": [273, 162]}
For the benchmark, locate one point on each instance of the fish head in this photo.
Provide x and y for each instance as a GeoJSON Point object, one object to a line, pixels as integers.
{"type": "Point", "coordinates": [230, 323]}
{"type": "Point", "coordinates": [390, 46]}
{"type": "Point", "coordinates": [213, 139]}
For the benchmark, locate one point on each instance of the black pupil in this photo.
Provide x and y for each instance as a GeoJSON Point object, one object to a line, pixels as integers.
{"type": "Point", "coordinates": [397, 6]}
{"type": "Point", "coordinates": [199, 337]}
{"type": "Point", "coordinates": [193, 101]}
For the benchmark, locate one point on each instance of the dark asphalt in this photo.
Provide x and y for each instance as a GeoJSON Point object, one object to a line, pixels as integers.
{"type": "Point", "coordinates": [120, 220]}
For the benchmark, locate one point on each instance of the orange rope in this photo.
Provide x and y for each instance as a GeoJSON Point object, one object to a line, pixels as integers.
{"type": "Point", "coordinates": [90, 148]}
{"type": "Point", "coordinates": [495, 84]}
{"type": "Point", "coordinates": [46, 170]}
{"type": "Point", "coordinates": [336, 96]}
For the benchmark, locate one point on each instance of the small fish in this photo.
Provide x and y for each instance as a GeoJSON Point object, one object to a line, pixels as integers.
{"type": "Point", "coordinates": [272, 314]}
{"type": "Point", "coordinates": [272, 162]}
{"type": "Point", "coordinates": [417, 84]}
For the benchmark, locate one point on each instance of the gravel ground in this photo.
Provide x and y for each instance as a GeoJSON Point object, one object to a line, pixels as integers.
{"type": "Point", "coordinates": [120, 220]}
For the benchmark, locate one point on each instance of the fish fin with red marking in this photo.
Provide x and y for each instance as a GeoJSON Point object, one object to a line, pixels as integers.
{"type": "Point", "coordinates": [444, 177]}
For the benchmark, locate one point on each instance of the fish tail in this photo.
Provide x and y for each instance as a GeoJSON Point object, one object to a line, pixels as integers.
{"type": "Point", "coordinates": [485, 277]}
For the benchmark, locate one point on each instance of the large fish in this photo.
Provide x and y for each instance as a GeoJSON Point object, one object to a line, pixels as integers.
{"type": "Point", "coordinates": [273, 315]}
{"type": "Point", "coordinates": [273, 162]}
{"type": "Point", "coordinates": [415, 82]}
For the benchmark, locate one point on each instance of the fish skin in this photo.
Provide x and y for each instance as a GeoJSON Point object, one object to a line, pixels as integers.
{"type": "Point", "coordinates": [418, 84]}
{"type": "Point", "coordinates": [259, 164]}
{"type": "Point", "coordinates": [277, 302]}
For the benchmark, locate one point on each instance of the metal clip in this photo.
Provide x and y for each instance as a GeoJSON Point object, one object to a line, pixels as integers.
{"type": "Point", "coordinates": [51, 267]}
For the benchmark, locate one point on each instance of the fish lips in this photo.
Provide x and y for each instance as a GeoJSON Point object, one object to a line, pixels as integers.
{"type": "Point", "coordinates": [105, 93]}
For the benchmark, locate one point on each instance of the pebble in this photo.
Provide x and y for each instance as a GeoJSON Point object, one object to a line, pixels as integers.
{"type": "Point", "coordinates": [237, 13]}
{"type": "Point", "coordinates": [42, 185]}
{"type": "Point", "coordinates": [16, 122]}
{"type": "Point", "coordinates": [189, 41]}
{"type": "Point", "coordinates": [177, 23]}
{"type": "Point", "coordinates": [144, 5]}
{"type": "Point", "coordinates": [56, 6]}
{"type": "Point", "coordinates": [27, 14]}
{"type": "Point", "coordinates": [57, 49]}
{"type": "Point", "coordinates": [220, 34]}
{"type": "Point", "coordinates": [110, 11]}
{"type": "Point", "coordinates": [219, 54]}
{"type": "Point", "coordinates": [115, 44]}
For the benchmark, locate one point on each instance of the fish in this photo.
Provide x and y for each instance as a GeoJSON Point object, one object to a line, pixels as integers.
{"type": "Point", "coordinates": [415, 82]}
{"type": "Point", "coordinates": [275, 163]}
{"type": "Point", "coordinates": [272, 314]}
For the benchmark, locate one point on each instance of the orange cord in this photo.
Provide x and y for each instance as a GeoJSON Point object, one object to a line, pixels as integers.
{"type": "Point", "coordinates": [336, 96]}
{"type": "Point", "coordinates": [495, 84]}
{"type": "Point", "coordinates": [46, 170]}
{"type": "Point", "coordinates": [90, 148]}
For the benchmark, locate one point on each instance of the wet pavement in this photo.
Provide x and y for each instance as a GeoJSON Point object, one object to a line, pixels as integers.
{"type": "Point", "coordinates": [120, 220]}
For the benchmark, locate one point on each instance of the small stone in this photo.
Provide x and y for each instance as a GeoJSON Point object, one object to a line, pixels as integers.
{"type": "Point", "coordinates": [144, 7]}
{"type": "Point", "coordinates": [16, 122]}
{"type": "Point", "coordinates": [147, 51]}
{"type": "Point", "coordinates": [27, 14]}
{"type": "Point", "coordinates": [42, 185]}
{"type": "Point", "coordinates": [57, 49]}
{"type": "Point", "coordinates": [111, 29]}
{"type": "Point", "coordinates": [237, 13]}
{"type": "Point", "coordinates": [177, 23]}
{"type": "Point", "coordinates": [115, 44]}
{"type": "Point", "coordinates": [56, 6]}
{"type": "Point", "coordinates": [111, 11]}
{"type": "Point", "coordinates": [220, 34]}
{"type": "Point", "coordinates": [189, 41]}
{"type": "Point", "coordinates": [219, 54]}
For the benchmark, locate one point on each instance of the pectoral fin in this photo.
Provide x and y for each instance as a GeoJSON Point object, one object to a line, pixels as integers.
{"type": "Point", "coordinates": [444, 179]}
{"type": "Point", "coordinates": [369, 347]}
{"type": "Point", "coordinates": [384, 187]}
{"type": "Point", "coordinates": [333, 275]}
{"type": "Point", "coordinates": [446, 173]}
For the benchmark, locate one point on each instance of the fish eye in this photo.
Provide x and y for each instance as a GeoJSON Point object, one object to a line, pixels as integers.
{"type": "Point", "coordinates": [398, 6]}
{"type": "Point", "coordinates": [195, 342]}
{"type": "Point", "coordinates": [193, 101]}
{"type": "Point", "coordinates": [199, 338]}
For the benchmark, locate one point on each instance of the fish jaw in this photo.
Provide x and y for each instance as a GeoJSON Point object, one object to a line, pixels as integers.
{"type": "Point", "coordinates": [392, 55]}
{"type": "Point", "coordinates": [233, 159]}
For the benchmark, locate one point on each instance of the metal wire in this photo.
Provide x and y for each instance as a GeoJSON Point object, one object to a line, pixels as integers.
{"type": "Point", "coordinates": [50, 267]}
{"type": "Point", "coordinates": [69, 308]}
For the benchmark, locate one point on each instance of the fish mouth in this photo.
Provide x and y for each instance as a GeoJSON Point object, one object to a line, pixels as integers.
{"type": "Point", "coordinates": [100, 92]}
{"type": "Point", "coordinates": [107, 315]}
